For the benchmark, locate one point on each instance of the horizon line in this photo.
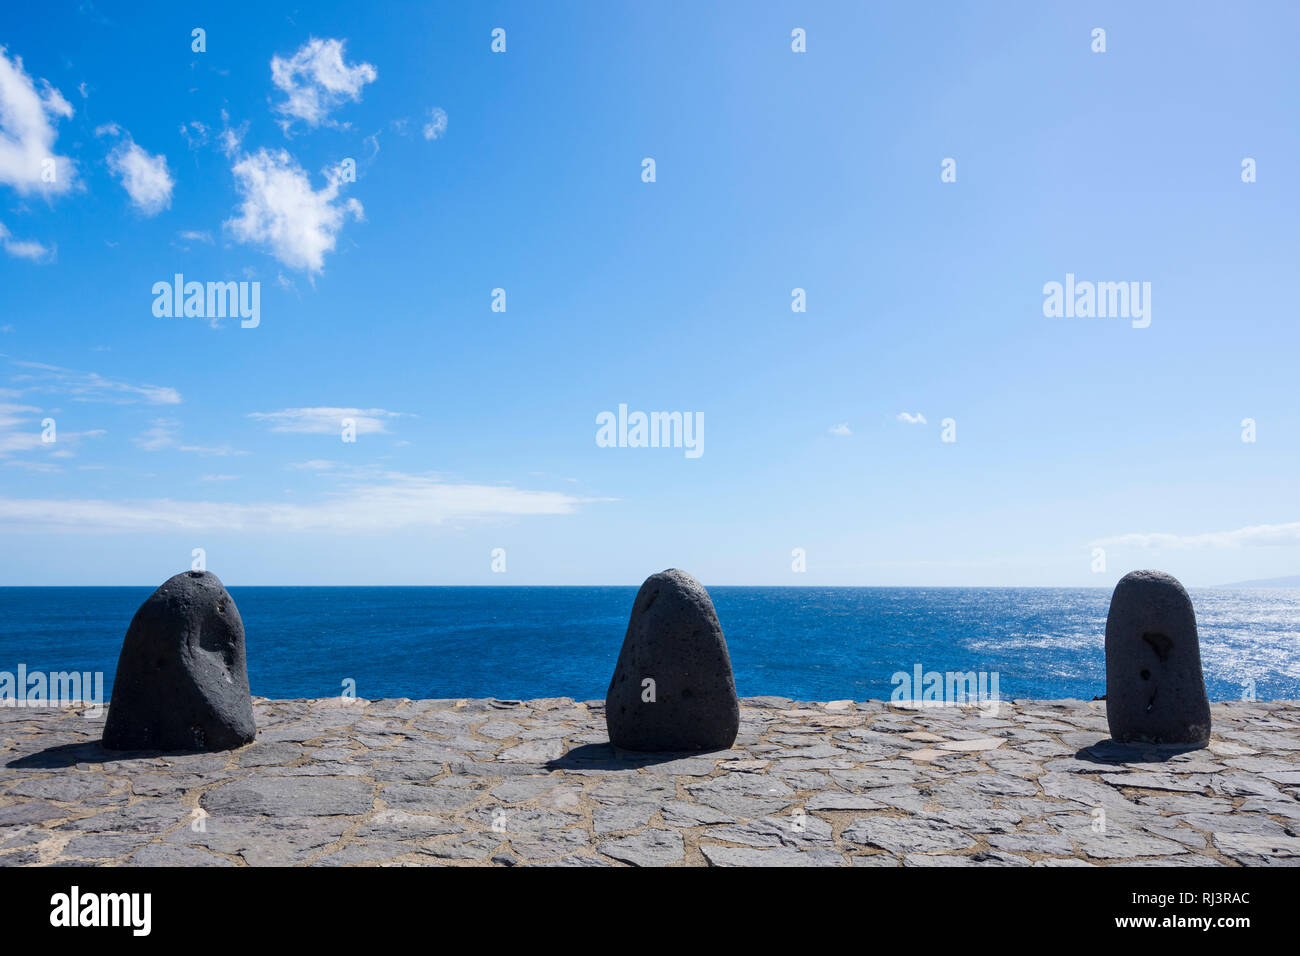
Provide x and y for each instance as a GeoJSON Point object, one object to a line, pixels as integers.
{"type": "Point", "coordinates": [1244, 586]}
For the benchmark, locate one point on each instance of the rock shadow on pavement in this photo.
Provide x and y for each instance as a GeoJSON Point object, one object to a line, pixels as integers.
{"type": "Point", "coordinates": [69, 755]}
{"type": "Point", "coordinates": [609, 757]}
{"type": "Point", "coordinates": [1110, 752]}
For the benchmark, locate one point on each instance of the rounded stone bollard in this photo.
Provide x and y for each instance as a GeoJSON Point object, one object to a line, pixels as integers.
{"type": "Point", "coordinates": [672, 689]}
{"type": "Point", "coordinates": [182, 679]}
{"type": "Point", "coordinates": [1155, 691]}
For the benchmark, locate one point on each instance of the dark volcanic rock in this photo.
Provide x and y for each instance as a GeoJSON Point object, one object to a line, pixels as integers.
{"type": "Point", "coordinates": [1155, 692]}
{"type": "Point", "coordinates": [182, 681]}
{"type": "Point", "coordinates": [673, 639]}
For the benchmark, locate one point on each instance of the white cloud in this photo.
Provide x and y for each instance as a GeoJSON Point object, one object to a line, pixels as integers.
{"type": "Point", "coordinates": [280, 209]}
{"type": "Point", "coordinates": [21, 430]}
{"type": "Point", "coordinates": [195, 133]}
{"type": "Point", "coordinates": [92, 387]}
{"type": "Point", "coordinates": [326, 421]}
{"type": "Point", "coordinates": [231, 138]}
{"type": "Point", "coordinates": [841, 429]}
{"type": "Point", "coordinates": [193, 235]}
{"type": "Point", "coordinates": [165, 433]}
{"type": "Point", "coordinates": [24, 248]}
{"type": "Point", "coordinates": [161, 434]}
{"type": "Point", "coordinates": [315, 464]}
{"type": "Point", "coordinates": [316, 80]}
{"type": "Point", "coordinates": [44, 467]}
{"type": "Point", "coordinates": [1259, 535]}
{"type": "Point", "coordinates": [15, 435]}
{"type": "Point", "coordinates": [212, 451]}
{"type": "Point", "coordinates": [400, 502]}
{"type": "Point", "coordinates": [917, 419]}
{"type": "Point", "coordinates": [437, 124]}
{"type": "Point", "coordinates": [27, 133]}
{"type": "Point", "coordinates": [145, 178]}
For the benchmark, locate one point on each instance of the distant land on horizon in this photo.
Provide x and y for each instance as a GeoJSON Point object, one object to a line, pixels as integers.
{"type": "Point", "coordinates": [1290, 581]}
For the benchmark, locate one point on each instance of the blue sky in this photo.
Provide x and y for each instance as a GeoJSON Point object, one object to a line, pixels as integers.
{"type": "Point", "coordinates": [523, 170]}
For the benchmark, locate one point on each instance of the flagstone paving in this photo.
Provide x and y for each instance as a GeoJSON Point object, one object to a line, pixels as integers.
{"type": "Point", "coordinates": [492, 782]}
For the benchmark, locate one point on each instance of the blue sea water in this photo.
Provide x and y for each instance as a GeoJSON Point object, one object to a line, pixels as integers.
{"type": "Point", "coordinates": [805, 643]}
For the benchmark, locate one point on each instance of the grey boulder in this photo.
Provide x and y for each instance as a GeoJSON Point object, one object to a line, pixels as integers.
{"type": "Point", "coordinates": [672, 689]}
{"type": "Point", "coordinates": [1155, 691]}
{"type": "Point", "coordinates": [182, 678]}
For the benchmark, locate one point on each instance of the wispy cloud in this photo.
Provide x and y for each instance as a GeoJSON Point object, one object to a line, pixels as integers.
{"type": "Point", "coordinates": [231, 138]}
{"type": "Point", "coordinates": [14, 433]}
{"type": "Point", "coordinates": [281, 211]}
{"type": "Point", "coordinates": [27, 132]}
{"type": "Point", "coordinates": [917, 419]}
{"type": "Point", "coordinates": [316, 80]}
{"type": "Point", "coordinates": [161, 434]}
{"type": "Point", "coordinates": [164, 433]}
{"type": "Point", "coordinates": [43, 467]}
{"type": "Point", "coordinates": [194, 133]}
{"type": "Point", "coordinates": [326, 421]}
{"type": "Point", "coordinates": [1255, 535]}
{"type": "Point", "coordinates": [401, 502]}
{"type": "Point", "coordinates": [21, 430]}
{"type": "Point", "coordinates": [24, 248]}
{"type": "Point", "coordinates": [91, 386]}
{"type": "Point", "coordinates": [211, 451]}
{"type": "Point", "coordinates": [841, 429]}
{"type": "Point", "coordinates": [1258, 535]}
{"type": "Point", "coordinates": [436, 125]}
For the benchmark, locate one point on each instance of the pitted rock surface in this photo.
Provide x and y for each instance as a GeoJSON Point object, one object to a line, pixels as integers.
{"type": "Point", "coordinates": [1155, 689]}
{"type": "Point", "coordinates": [182, 676]}
{"type": "Point", "coordinates": [672, 688]}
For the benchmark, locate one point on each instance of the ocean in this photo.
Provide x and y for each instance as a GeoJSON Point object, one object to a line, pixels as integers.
{"type": "Point", "coordinates": [523, 642]}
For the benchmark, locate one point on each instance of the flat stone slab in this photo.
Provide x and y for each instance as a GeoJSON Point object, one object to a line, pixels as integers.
{"type": "Point", "coordinates": [536, 783]}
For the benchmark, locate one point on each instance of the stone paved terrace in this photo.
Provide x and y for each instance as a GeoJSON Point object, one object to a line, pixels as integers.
{"type": "Point", "coordinates": [481, 782]}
